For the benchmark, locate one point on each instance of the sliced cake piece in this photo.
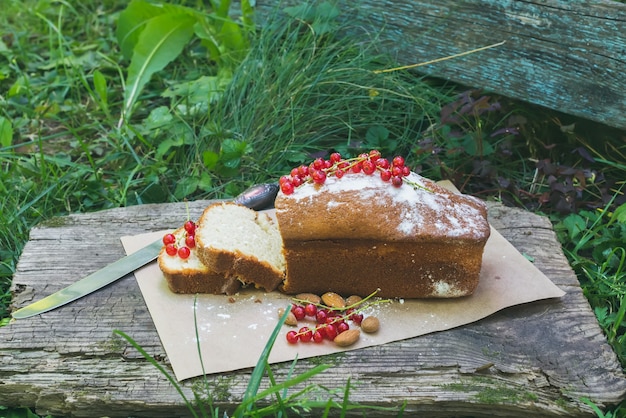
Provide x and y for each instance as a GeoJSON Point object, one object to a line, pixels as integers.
{"type": "Point", "coordinates": [190, 275]}
{"type": "Point", "coordinates": [237, 241]}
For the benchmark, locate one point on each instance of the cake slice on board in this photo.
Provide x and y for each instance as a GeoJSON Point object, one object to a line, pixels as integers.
{"type": "Point", "coordinates": [189, 275]}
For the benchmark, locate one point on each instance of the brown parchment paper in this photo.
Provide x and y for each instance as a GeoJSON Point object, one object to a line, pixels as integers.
{"type": "Point", "coordinates": [233, 331]}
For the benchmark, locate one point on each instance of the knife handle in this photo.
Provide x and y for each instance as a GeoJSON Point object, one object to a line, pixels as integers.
{"type": "Point", "coordinates": [260, 196]}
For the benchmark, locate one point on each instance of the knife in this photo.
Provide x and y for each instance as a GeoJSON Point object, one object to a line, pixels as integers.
{"type": "Point", "coordinates": [256, 197]}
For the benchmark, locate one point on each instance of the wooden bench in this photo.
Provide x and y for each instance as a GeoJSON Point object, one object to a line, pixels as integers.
{"type": "Point", "coordinates": [539, 359]}
{"type": "Point", "coordinates": [560, 54]}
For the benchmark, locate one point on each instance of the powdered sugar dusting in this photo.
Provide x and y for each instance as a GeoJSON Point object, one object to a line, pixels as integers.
{"type": "Point", "coordinates": [417, 204]}
{"type": "Point", "coordinates": [446, 290]}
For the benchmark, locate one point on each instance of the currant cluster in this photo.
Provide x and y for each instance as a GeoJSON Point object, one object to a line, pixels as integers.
{"type": "Point", "coordinates": [369, 163]}
{"type": "Point", "coordinates": [329, 323]}
{"type": "Point", "coordinates": [182, 249]}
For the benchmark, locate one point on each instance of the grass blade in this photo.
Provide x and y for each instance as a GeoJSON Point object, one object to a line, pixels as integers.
{"type": "Point", "coordinates": [159, 367]}
{"type": "Point", "coordinates": [257, 374]}
{"type": "Point", "coordinates": [303, 377]}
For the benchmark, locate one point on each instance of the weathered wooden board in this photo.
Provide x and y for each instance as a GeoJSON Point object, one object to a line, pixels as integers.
{"type": "Point", "coordinates": [542, 358]}
{"type": "Point", "coordinates": [561, 54]}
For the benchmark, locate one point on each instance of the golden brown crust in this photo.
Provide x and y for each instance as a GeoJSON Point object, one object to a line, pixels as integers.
{"type": "Point", "coordinates": [191, 280]}
{"type": "Point", "coordinates": [398, 270]}
{"type": "Point", "coordinates": [363, 207]}
{"type": "Point", "coordinates": [249, 271]}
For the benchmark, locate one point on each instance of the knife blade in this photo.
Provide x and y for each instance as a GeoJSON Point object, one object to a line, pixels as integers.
{"type": "Point", "coordinates": [256, 197]}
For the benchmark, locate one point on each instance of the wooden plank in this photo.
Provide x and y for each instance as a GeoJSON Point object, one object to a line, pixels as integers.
{"type": "Point", "coordinates": [538, 359]}
{"type": "Point", "coordinates": [561, 54]}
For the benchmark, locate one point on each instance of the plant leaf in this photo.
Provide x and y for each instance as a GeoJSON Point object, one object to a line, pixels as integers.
{"type": "Point", "coordinates": [210, 159]}
{"type": "Point", "coordinates": [6, 132]}
{"type": "Point", "coordinates": [247, 14]}
{"type": "Point", "coordinates": [131, 23]}
{"type": "Point", "coordinates": [233, 39]}
{"type": "Point", "coordinates": [575, 225]}
{"type": "Point", "coordinates": [620, 213]}
{"type": "Point", "coordinates": [100, 86]}
{"type": "Point", "coordinates": [161, 41]}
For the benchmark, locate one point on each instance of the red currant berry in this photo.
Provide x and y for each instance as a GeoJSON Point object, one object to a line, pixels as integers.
{"type": "Point", "coordinates": [331, 331]}
{"type": "Point", "coordinates": [169, 239]}
{"type": "Point", "coordinates": [296, 181]}
{"type": "Point", "coordinates": [184, 252]}
{"type": "Point", "coordinates": [406, 171]}
{"type": "Point", "coordinates": [356, 168]}
{"type": "Point", "coordinates": [374, 155]}
{"type": "Point", "coordinates": [342, 327]}
{"type": "Point", "coordinates": [396, 181]}
{"type": "Point", "coordinates": [310, 310]}
{"type": "Point", "coordinates": [357, 318]}
{"type": "Point", "coordinates": [303, 171]}
{"type": "Point", "coordinates": [332, 314]}
{"type": "Point", "coordinates": [190, 241]}
{"type": "Point", "coordinates": [319, 163]}
{"type": "Point", "coordinates": [327, 164]}
{"type": "Point", "coordinates": [298, 312]}
{"type": "Point", "coordinates": [398, 161]}
{"type": "Point", "coordinates": [305, 334]}
{"type": "Point", "coordinates": [292, 337]}
{"type": "Point", "coordinates": [396, 171]}
{"type": "Point", "coordinates": [335, 157]}
{"type": "Point", "coordinates": [287, 187]}
{"type": "Point", "coordinates": [319, 176]}
{"type": "Point", "coordinates": [294, 172]}
{"type": "Point", "coordinates": [385, 175]}
{"type": "Point", "coordinates": [368, 167]}
{"type": "Point", "coordinates": [190, 227]}
{"type": "Point", "coordinates": [321, 316]}
{"type": "Point", "coordinates": [284, 179]}
{"type": "Point", "coordinates": [318, 337]}
{"type": "Point", "coordinates": [171, 249]}
{"type": "Point", "coordinates": [339, 173]}
{"type": "Point", "coordinates": [363, 156]}
{"type": "Point", "coordinates": [382, 163]}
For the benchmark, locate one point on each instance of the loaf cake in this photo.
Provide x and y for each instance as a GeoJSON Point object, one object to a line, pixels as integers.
{"type": "Point", "coordinates": [234, 240]}
{"type": "Point", "coordinates": [189, 275]}
{"type": "Point", "coordinates": [353, 227]}
{"type": "Point", "coordinates": [364, 231]}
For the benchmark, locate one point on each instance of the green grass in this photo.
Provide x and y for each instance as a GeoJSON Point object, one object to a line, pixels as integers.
{"type": "Point", "coordinates": [207, 128]}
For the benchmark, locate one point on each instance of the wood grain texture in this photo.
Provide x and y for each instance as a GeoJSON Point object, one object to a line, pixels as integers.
{"type": "Point", "coordinates": [561, 54]}
{"type": "Point", "coordinates": [537, 359]}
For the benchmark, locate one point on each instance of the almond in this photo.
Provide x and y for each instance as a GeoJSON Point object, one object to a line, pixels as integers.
{"type": "Point", "coordinates": [370, 324]}
{"type": "Point", "coordinates": [347, 338]}
{"type": "Point", "coordinates": [309, 297]}
{"type": "Point", "coordinates": [291, 318]}
{"type": "Point", "coordinates": [333, 300]}
{"type": "Point", "coordinates": [353, 300]}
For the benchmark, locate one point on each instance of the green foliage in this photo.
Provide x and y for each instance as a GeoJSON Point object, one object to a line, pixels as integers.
{"type": "Point", "coordinates": [595, 243]}
{"type": "Point", "coordinates": [153, 35]}
{"type": "Point", "coordinates": [19, 413]}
